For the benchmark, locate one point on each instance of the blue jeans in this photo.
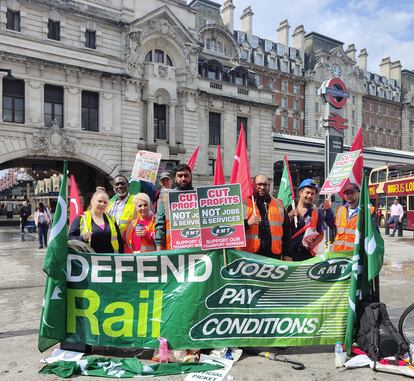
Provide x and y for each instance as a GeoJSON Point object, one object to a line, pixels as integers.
{"type": "Point", "coordinates": [394, 220]}
{"type": "Point", "coordinates": [42, 234]}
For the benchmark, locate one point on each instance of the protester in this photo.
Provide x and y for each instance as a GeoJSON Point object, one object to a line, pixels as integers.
{"type": "Point", "coordinates": [183, 181]}
{"type": "Point", "coordinates": [121, 206]}
{"type": "Point", "coordinates": [24, 213]}
{"type": "Point", "coordinates": [98, 228]}
{"type": "Point", "coordinates": [308, 226]}
{"type": "Point", "coordinates": [346, 219]}
{"type": "Point", "coordinates": [396, 215]}
{"type": "Point", "coordinates": [42, 220]}
{"type": "Point", "coordinates": [267, 223]}
{"type": "Point", "coordinates": [139, 236]}
{"type": "Point", "coordinates": [165, 185]}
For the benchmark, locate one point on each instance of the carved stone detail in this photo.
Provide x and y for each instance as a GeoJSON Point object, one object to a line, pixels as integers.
{"type": "Point", "coordinates": [191, 61]}
{"type": "Point", "coordinates": [53, 141]}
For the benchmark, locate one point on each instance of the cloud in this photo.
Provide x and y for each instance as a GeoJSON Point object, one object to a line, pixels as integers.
{"type": "Point", "coordinates": [384, 28]}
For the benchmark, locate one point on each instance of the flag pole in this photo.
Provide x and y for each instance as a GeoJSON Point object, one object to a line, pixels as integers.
{"type": "Point", "coordinates": [225, 256]}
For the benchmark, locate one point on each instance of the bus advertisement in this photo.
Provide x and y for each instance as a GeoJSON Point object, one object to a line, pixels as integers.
{"type": "Point", "coordinates": [389, 182]}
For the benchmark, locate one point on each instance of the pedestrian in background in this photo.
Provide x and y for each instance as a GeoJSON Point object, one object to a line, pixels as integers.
{"type": "Point", "coordinates": [42, 219]}
{"type": "Point", "coordinates": [24, 213]}
{"type": "Point", "coordinates": [396, 215]}
{"type": "Point", "coordinates": [9, 210]}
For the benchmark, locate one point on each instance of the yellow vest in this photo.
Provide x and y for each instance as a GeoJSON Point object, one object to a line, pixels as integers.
{"type": "Point", "coordinates": [127, 215]}
{"type": "Point", "coordinates": [85, 226]}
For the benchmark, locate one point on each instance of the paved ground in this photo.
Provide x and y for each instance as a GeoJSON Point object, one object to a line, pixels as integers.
{"type": "Point", "coordinates": [21, 291]}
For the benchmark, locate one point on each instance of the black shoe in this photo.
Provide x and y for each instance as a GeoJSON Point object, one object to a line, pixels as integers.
{"type": "Point", "coordinates": [40, 247]}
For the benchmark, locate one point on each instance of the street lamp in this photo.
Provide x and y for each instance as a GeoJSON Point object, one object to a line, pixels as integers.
{"type": "Point", "coordinates": [9, 73]}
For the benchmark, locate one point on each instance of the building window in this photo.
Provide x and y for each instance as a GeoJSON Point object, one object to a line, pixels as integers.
{"type": "Point", "coordinates": [388, 138]}
{"type": "Point", "coordinates": [353, 114]}
{"type": "Point", "coordinates": [90, 111]}
{"type": "Point", "coordinates": [13, 100]}
{"type": "Point", "coordinates": [160, 121]}
{"type": "Point", "coordinates": [214, 128]}
{"type": "Point", "coordinates": [13, 20]}
{"type": "Point", "coordinates": [284, 86]}
{"type": "Point", "coordinates": [283, 102]}
{"type": "Point", "coordinates": [53, 105]}
{"type": "Point", "coordinates": [316, 124]}
{"type": "Point", "coordinates": [53, 28]}
{"type": "Point", "coordinates": [158, 56]}
{"type": "Point", "coordinates": [242, 121]}
{"type": "Point", "coordinates": [296, 104]}
{"type": "Point", "coordinates": [296, 89]}
{"type": "Point", "coordinates": [316, 106]}
{"type": "Point", "coordinates": [90, 39]}
{"type": "Point", "coordinates": [371, 135]}
{"type": "Point", "coordinates": [371, 119]}
{"type": "Point", "coordinates": [211, 166]}
{"type": "Point", "coordinates": [353, 99]}
{"type": "Point", "coordinates": [283, 122]}
{"type": "Point", "coordinates": [296, 123]}
{"type": "Point", "coordinates": [396, 125]}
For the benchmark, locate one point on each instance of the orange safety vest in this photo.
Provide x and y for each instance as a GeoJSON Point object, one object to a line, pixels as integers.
{"type": "Point", "coordinates": [345, 237]}
{"type": "Point", "coordinates": [276, 216]}
{"type": "Point", "coordinates": [146, 244]}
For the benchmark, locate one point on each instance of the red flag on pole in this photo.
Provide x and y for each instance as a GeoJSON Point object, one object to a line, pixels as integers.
{"type": "Point", "coordinates": [192, 161]}
{"type": "Point", "coordinates": [76, 208]}
{"type": "Point", "coordinates": [240, 172]}
{"type": "Point", "coordinates": [357, 170]}
{"type": "Point", "coordinates": [218, 169]}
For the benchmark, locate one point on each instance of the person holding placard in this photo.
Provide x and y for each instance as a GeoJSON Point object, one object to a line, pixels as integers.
{"type": "Point", "coordinates": [139, 236]}
{"type": "Point", "coordinates": [308, 231]}
{"type": "Point", "coordinates": [183, 181]}
{"type": "Point", "coordinates": [267, 223]}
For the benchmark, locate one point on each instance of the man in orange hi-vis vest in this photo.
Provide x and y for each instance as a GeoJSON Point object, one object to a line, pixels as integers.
{"type": "Point", "coordinates": [346, 219]}
{"type": "Point", "coordinates": [267, 223]}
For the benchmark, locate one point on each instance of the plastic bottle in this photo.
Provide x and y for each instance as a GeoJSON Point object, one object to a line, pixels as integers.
{"type": "Point", "coordinates": [164, 353]}
{"type": "Point", "coordinates": [340, 355]}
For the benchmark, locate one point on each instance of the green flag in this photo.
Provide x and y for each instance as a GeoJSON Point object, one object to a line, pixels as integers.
{"type": "Point", "coordinates": [53, 316]}
{"type": "Point", "coordinates": [286, 193]}
{"type": "Point", "coordinates": [366, 261]}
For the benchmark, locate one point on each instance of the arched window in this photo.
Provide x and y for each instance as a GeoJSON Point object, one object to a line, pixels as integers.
{"type": "Point", "coordinates": [158, 56]}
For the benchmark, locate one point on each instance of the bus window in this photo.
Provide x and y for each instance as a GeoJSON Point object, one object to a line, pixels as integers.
{"type": "Point", "coordinates": [382, 175]}
{"type": "Point", "coordinates": [410, 203]}
{"type": "Point", "coordinates": [374, 177]}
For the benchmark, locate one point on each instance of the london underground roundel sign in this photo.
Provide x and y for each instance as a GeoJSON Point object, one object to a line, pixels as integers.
{"type": "Point", "coordinates": [335, 92]}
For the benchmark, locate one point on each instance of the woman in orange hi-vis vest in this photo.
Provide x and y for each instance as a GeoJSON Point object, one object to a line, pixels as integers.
{"type": "Point", "coordinates": [139, 236]}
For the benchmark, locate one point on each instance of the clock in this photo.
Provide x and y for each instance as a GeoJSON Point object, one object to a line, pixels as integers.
{"type": "Point", "coordinates": [336, 70]}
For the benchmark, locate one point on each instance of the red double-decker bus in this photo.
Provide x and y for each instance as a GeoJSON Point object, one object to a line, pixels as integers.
{"type": "Point", "coordinates": [391, 181]}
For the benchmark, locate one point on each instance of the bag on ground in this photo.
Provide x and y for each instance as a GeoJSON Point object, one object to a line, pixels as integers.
{"type": "Point", "coordinates": [377, 336]}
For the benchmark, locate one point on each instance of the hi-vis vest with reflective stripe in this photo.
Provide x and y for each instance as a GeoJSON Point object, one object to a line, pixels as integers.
{"type": "Point", "coordinates": [345, 237]}
{"type": "Point", "coordinates": [146, 244]}
{"type": "Point", "coordinates": [85, 226]}
{"type": "Point", "coordinates": [276, 216]}
{"type": "Point", "coordinates": [127, 214]}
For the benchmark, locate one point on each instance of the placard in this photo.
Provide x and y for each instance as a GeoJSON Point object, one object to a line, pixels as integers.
{"type": "Point", "coordinates": [221, 216]}
{"type": "Point", "coordinates": [146, 166]}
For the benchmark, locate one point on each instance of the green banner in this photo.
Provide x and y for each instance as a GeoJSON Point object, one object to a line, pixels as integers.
{"type": "Point", "coordinates": [190, 298]}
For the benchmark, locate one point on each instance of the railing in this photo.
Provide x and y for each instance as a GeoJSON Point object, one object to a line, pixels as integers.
{"type": "Point", "coordinates": [215, 85]}
{"type": "Point", "coordinates": [241, 90]}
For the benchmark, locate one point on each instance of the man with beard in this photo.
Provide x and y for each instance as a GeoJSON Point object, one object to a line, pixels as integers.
{"type": "Point", "coordinates": [309, 219]}
{"type": "Point", "coordinates": [183, 181]}
{"type": "Point", "coordinates": [267, 223]}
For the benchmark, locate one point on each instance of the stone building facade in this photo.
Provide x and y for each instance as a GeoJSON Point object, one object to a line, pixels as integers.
{"type": "Point", "coordinates": [93, 82]}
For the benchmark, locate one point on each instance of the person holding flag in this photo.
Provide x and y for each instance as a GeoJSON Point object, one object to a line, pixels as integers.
{"type": "Point", "coordinates": [267, 223]}
{"type": "Point", "coordinates": [308, 233]}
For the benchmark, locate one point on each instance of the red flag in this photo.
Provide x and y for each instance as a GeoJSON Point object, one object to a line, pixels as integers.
{"type": "Point", "coordinates": [218, 169]}
{"type": "Point", "coordinates": [358, 168]}
{"type": "Point", "coordinates": [240, 173]}
{"type": "Point", "coordinates": [76, 208]}
{"type": "Point", "coordinates": [192, 161]}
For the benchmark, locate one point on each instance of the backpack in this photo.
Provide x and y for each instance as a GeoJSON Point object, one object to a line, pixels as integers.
{"type": "Point", "coordinates": [377, 336]}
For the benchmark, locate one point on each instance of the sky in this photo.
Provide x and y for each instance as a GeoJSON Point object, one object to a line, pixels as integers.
{"type": "Point", "coordinates": [384, 27]}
